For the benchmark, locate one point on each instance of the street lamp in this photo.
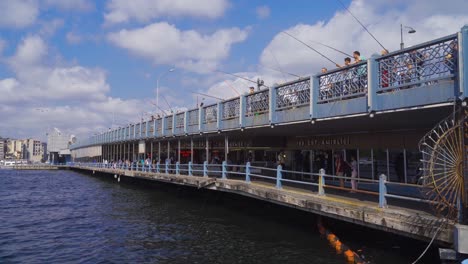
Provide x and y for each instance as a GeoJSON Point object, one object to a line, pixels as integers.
{"type": "Point", "coordinates": [410, 31]}
{"type": "Point", "coordinates": [157, 84]}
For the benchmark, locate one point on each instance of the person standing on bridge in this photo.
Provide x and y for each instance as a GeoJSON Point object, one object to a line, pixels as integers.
{"type": "Point", "coordinates": [339, 168]}
{"type": "Point", "coordinates": [354, 172]}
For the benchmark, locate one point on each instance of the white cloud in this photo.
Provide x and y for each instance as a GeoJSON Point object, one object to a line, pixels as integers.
{"type": "Point", "coordinates": [73, 38]}
{"type": "Point", "coordinates": [263, 12]}
{"type": "Point", "coordinates": [18, 13]}
{"type": "Point", "coordinates": [120, 11]}
{"type": "Point", "coordinates": [165, 44]}
{"type": "Point", "coordinates": [431, 19]}
{"type": "Point", "coordinates": [80, 5]}
{"type": "Point", "coordinates": [43, 95]}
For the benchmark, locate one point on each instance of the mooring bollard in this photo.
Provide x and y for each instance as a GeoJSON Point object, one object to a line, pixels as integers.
{"type": "Point", "coordinates": [205, 168]}
{"type": "Point", "coordinates": [321, 181]}
{"type": "Point", "coordinates": [382, 191]}
{"type": "Point", "coordinates": [247, 172]}
{"type": "Point", "coordinates": [279, 176]}
{"type": "Point", "coordinates": [190, 172]}
{"type": "Point", "coordinates": [223, 170]}
{"type": "Point", "coordinates": [177, 168]}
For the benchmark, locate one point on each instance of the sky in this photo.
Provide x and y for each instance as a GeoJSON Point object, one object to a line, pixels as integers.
{"type": "Point", "coordinates": [86, 66]}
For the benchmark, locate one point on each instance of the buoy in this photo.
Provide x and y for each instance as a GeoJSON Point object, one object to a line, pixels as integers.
{"type": "Point", "coordinates": [338, 247]}
{"type": "Point", "coordinates": [349, 256]}
{"type": "Point", "coordinates": [331, 238]}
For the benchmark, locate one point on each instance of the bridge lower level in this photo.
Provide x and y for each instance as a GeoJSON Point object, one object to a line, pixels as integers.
{"type": "Point", "coordinates": [406, 220]}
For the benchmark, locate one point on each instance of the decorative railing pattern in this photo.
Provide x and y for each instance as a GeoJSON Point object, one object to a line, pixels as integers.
{"type": "Point", "coordinates": [257, 103]}
{"type": "Point", "coordinates": [143, 129]}
{"type": "Point", "coordinates": [421, 65]}
{"type": "Point", "coordinates": [193, 117]}
{"type": "Point", "coordinates": [345, 83]}
{"type": "Point", "coordinates": [293, 94]}
{"type": "Point", "coordinates": [169, 122]}
{"type": "Point", "coordinates": [159, 125]}
{"type": "Point", "coordinates": [180, 120]}
{"type": "Point", "coordinates": [211, 114]}
{"type": "Point", "coordinates": [231, 108]}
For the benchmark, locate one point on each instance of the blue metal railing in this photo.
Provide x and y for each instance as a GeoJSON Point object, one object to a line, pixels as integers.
{"type": "Point", "coordinates": [317, 183]}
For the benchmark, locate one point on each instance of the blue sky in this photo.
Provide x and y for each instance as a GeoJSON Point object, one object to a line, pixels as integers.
{"type": "Point", "coordinates": [84, 66]}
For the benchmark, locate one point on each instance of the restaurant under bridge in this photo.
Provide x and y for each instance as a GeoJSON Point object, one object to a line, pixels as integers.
{"type": "Point", "coordinates": [395, 122]}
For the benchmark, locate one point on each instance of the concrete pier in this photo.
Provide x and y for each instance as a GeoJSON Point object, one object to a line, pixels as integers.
{"type": "Point", "coordinates": [412, 223]}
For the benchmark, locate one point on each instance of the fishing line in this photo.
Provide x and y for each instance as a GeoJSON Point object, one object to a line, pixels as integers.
{"type": "Point", "coordinates": [309, 47]}
{"type": "Point", "coordinates": [330, 47]}
{"type": "Point", "coordinates": [361, 24]}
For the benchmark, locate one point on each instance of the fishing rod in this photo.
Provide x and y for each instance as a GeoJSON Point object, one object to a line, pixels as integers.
{"type": "Point", "coordinates": [309, 47]}
{"type": "Point", "coordinates": [276, 60]}
{"type": "Point", "coordinates": [330, 47]}
{"type": "Point", "coordinates": [361, 24]}
{"type": "Point", "coordinates": [258, 82]}
{"type": "Point", "coordinates": [167, 103]}
{"type": "Point", "coordinates": [160, 109]}
{"type": "Point", "coordinates": [232, 87]}
{"type": "Point", "coordinates": [292, 74]}
{"type": "Point", "coordinates": [221, 99]}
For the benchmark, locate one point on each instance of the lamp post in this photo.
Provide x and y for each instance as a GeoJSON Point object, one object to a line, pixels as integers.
{"type": "Point", "coordinates": [157, 84]}
{"type": "Point", "coordinates": [410, 31]}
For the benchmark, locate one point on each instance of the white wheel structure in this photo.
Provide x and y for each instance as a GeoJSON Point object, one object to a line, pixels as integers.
{"type": "Point", "coordinates": [442, 149]}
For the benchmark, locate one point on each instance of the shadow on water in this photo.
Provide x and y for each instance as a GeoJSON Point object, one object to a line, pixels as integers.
{"type": "Point", "coordinates": [373, 245]}
{"type": "Point", "coordinates": [64, 216]}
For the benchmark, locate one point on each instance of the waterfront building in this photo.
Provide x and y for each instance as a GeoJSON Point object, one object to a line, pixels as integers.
{"type": "Point", "coordinates": [3, 145]}
{"type": "Point", "coordinates": [14, 149]}
{"type": "Point", "coordinates": [32, 150]}
{"type": "Point", "coordinates": [56, 142]}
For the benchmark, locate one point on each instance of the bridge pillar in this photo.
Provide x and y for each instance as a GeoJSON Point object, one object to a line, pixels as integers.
{"type": "Point", "coordinates": [382, 191]}
{"type": "Point", "coordinates": [463, 61]}
{"type": "Point", "coordinates": [272, 105]}
{"type": "Point", "coordinates": [314, 94]}
{"type": "Point", "coordinates": [372, 83]}
{"type": "Point", "coordinates": [224, 169]}
{"type": "Point", "coordinates": [247, 172]}
{"type": "Point", "coordinates": [242, 107]}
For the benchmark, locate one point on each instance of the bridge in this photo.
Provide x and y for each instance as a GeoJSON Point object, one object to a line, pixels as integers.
{"type": "Point", "coordinates": [397, 119]}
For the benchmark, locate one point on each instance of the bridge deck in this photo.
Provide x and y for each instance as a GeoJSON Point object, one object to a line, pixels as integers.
{"type": "Point", "coordinates": [402, 219]}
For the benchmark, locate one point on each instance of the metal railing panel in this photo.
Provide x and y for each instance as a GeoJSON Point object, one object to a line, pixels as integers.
{"type": "Point", "coordinates": [421, 65]}
{"type": "Point", "coordinates": [293, 94]}
{"type": "Point", "coordinates": [211, 114]}
{"type": "Point", "coordinates": [231, 109]}
{"type": "Point", "coordinates": [343, 84]}
{"type": "Point", "coordinates": [257, 103]}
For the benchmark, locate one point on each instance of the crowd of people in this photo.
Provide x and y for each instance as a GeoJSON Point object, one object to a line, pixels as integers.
{"type": "Point", "coordinates": [412, 68]}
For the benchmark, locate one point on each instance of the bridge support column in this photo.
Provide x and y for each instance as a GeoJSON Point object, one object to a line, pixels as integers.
{"type": "Point", "coordinates": [247, 172]}
{"type": "Point", "coordinates": [463, 62]}
{"type": "Point", "coordinates": [191, 149]}
{"type": "Point", "coordinates": [190, 172]}
{"type": "Point", "coordinates": [205, 168]}
{"type": "Point", "coordinates": [279, 177]}
{"type": "Point", "coordinates": [224, 169]}
{"type": "Point", "coordinates": [372, 83]}
{"type": "Point", "coordinates": [382, 191]}
{"type": "Point", "coordinates": [321, 190]}
{"type": "Point", "coordinates": [314, 94]}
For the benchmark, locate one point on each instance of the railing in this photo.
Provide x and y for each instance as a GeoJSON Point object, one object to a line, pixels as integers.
{"type": "Point", "coordinates": [231, 109]}
{"type": "Point", "coordinates": [345, 83]}
{"type": "Point", "coordinates": [180, 120]}
{"type": "Point", "coordinates": [257, 103]}
{"type": "Point", "coordinates": [423, 64]}
{"type": "Point", "coordinates": [316, 183]}
{"type": "Point", "coordinates": [210, 114]}
{"type": "Point", "coordinates": [293, 94]}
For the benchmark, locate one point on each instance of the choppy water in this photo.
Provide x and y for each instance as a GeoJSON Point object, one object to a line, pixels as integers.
{"type": "Point", "coordinates": [67, 217]}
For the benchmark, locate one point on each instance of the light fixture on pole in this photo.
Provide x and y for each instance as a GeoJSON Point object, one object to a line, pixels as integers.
{"type": "Point", "coordinates": [157, 84]}
{"type": "Point", "coordinates": [410, 31]}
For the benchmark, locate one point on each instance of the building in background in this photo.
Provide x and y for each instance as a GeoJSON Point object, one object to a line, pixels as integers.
{"type": "Point", "coordinates": [32, 150]}
{"type": "Point", "coordinates": [57, 146]}
{"type": "Point", "coordinates": [14, 149]}
{"type": "Point", "coordinates": [2, 148]}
